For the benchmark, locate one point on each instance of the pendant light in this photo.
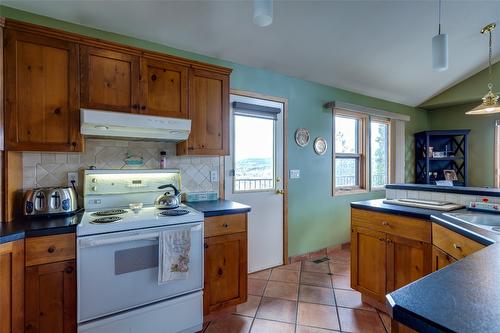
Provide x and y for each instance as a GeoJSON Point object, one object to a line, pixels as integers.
{"type": "Point", "coordinates": [262, 12]}
{"type": "Point", "coordinates": [490, 100]}
{"type": "Point", "coordinates": [440, 47]}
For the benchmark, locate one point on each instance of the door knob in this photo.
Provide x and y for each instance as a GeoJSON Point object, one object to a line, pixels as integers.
{"type": "Point", "coordinates": [280, 192]}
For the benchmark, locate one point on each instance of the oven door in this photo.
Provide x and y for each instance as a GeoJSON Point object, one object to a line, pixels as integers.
{"type": "Point", "coordinates": [119, 271]}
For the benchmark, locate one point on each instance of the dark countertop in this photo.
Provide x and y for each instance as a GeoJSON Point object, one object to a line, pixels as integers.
{"type": "Point", "coordinates": [38, 226]}
{"type": "Point", "coordinates": [482, 191]}
{"type": "Point", "coordinates": [378, 205]}
{"type": "Point", "coordinates": [462, 297]}
{"type": "Point", "coordinates": [219, 207]}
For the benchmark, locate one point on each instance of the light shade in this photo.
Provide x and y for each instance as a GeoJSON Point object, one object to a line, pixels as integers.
{"type": "Point", "coordinates": [440, 52]}
{"type": "Point", "coordinates": [490, 103]}
{"type": "Point", "coordinates": [262, 12]}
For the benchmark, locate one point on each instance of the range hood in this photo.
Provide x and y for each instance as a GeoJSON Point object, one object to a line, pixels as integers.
{"type": "Point", "coordinates": [97, 123]}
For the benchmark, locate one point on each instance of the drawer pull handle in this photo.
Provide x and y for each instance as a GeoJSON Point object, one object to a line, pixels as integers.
{"type": "Point", "coordinates": [457, 246]}
{"type": "Point", "coordinates": [51, 249]}
{"type": "Point", "coordinates": [69, 270]}
{"type": "Point", "coordinates": [382, 239]}
{"type": "Point", "coordinates": [385, 223]}
{"type": "Point", "coordinates": [225, 225]}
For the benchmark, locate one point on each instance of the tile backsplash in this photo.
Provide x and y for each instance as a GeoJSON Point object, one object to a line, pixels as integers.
{"type": "Point", "coordinates": [51, 169]}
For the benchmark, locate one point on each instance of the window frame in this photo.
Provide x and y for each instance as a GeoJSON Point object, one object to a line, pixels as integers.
{"type": "Point", "coordinates": [389, 151]}
{"type": "Point", "coordinates": [496, 169]}
{"type": "Point", "coordinates": [360, 155]}
{"type": "Point", "coordinates": [235, 191]}
{"type": "Point", "coordinates": [364, 152]}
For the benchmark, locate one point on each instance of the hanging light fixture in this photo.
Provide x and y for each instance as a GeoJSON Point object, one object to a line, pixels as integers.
{"type": "Point", "coordinates": [440, 47]}
{"type": "Point", "coordinates": [490, 100]}
{"type": "Point", "coordinates": [262, 12]}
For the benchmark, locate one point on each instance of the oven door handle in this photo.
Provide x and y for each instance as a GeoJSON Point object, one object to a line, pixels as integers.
{"type": "Point", "coordinates": [84, 243]}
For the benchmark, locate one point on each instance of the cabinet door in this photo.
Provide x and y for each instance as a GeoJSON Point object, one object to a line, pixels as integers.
{"type": "Point", "coordinates": [368, 268]}
{"type": "Point", "coordinates": [209, 114]}
{"type": "Point", "coordinates": [41, 86]}
{"type": "Point", "coordinates": [440, 259]}
{"type": "Point", "coordinates": [407, 261]}
{"type": "Point", "coordinates": [12, 287]}
{"type": "Point", "coordinates": [164, 89]}
{"type": "Point", "coordinates": [109, 80]}
{"type": "Point", "coordinates": [50, 291]}
{"type": "Point", "coordinates": [225, 271]}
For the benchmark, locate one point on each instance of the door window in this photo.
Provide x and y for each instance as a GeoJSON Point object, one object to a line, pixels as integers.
{"type": "Point", "coordinates": [254, 153]}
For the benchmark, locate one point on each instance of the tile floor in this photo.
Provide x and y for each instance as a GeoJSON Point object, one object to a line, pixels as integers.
{"type": "Point", "coordinates": [303, 297]}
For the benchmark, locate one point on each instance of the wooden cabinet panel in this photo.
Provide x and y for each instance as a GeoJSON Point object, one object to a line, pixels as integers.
{"type": "Point", "coordinates": [46, 249]}
{"type": "Point", "coordinates": [455, 244]}
{"type": "Point", "coordinates": [164, 89]}
{"type": "Point", "coordinates": [109, 80]}
{"type": "Point", "coordinates": [368, 267]}
{"type": "Point", "coordinates": [41, 86]}
{"type": "Point", "coordinates": [440, 259]}
{"type": "Point", "coordinates": [225, 271]}
{"type": "Point", "coordinates": [51, 298]}
{"type": "Point", "coordinates": [209, 114]}
{"type": "Point", "coordinates": [226, 224]}
{"type": "Point", "coordinates": [12, 287]}
{"type": "Point", "coordinates": [393, 224]}
{"type": "Point", "coordinates": [408, 260]}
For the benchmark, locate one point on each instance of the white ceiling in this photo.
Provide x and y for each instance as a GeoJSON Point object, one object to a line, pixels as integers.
{"type": "Point", "coordinates": [377, 48]}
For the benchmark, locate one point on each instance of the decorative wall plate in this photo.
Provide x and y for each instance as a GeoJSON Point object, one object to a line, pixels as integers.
{"type": "Point", "coordinates": [302, 137]}
{"type": "Point", "coordinates": [320, 146]}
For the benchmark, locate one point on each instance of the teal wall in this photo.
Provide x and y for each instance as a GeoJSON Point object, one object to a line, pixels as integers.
{"type": "Point", "coordinates": [316, 219]}
{"type": "Point", "coordinates": [481, 139]}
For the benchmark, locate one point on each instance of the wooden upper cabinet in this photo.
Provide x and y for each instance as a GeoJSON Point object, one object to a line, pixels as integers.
{"type": "Point", "coordinates": [209, 114]}
{"type": "Point", "coordinates": [109, 80]}
{"type": "Point", "coordinates": [41, 93]}
{"type": "Point", "coordinates": [164, 88]}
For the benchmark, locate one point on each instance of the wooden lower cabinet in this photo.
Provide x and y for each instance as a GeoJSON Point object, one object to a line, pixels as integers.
{"type": "Point", "coordinates": [369, 256]}
{"type": "Point", "coordinates": [225, 268]}
{"type": "Point", "coordinates": [382, 260]}
{"type": "Point", "coordinates": [408, 260]}
{"type": "Point", "coordinates": [50, 295]}
{"type": "Point", "coordinates": [440, 259]}
{"type": "Point", "coordinates": [12, 287]}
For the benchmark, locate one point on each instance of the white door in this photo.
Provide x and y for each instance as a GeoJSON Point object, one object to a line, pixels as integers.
{"type": "Point", "coordinates": [254, 175]}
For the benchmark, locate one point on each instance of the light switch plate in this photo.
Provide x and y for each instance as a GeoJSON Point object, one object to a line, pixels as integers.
{"type": "Point", "coordinates": [214, 176]}
{"type": "Point", "coordinates": [294, 174]}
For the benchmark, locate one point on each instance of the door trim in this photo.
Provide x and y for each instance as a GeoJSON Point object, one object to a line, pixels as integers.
{"type": "Point", "coordinates": [222, 183]}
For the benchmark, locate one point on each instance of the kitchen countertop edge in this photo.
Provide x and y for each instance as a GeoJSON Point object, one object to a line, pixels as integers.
{"type": "Point", "coordinates": [219, 207]}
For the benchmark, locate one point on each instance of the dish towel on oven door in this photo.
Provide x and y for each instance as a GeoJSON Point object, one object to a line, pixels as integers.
{"type": "Point", "coordinates": [173, 256]}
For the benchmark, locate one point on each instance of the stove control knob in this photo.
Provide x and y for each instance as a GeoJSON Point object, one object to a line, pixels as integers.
{"type": "Point", "coordinates": [94, 188]}
{"type": "Point", "coordinates": [94, 180]}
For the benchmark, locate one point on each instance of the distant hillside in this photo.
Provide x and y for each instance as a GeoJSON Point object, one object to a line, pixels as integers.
{"type": "Point", "coordinates": [254, 168]}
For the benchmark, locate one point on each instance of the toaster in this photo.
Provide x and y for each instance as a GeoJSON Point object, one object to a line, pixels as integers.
{"type": "Point", "coordinates": [49, 201]}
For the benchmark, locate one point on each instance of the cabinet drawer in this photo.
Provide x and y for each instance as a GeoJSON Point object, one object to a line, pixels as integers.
{"type": "Point", "coordinates": [452, 243]}
{"type": "Point", "coordinates": [392, 224]}
{"type": "Point", "coordinates": [225, 224]}
{"type": "Point", "coordinates": [48, 249]}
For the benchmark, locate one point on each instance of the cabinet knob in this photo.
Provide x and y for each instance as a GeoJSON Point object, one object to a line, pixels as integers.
{"type": "Point", "coordinates": [225, 225]}
{"type": "Point", "coordinates": [135, 106]}
{"type": "Point", "coordinates": [143, 107]}
{"type": "Point", "coordinates": [457, 246]}
{"type": "Point", "coordinates": [385, 223]}
{"type": "Point", "coordinates": [382, 239]}
{"type": "Point", "coordinates": [69, 270]}
{"type": "Point", "coordinates": [219, 271]}
{"type": "Point", "coordinates": [51, 249]}
{"type": "Point", "coordinates": [205, 246]}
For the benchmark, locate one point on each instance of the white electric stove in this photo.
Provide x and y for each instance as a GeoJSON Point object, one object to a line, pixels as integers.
{"type": "Point", "coordinates": [117, 256]}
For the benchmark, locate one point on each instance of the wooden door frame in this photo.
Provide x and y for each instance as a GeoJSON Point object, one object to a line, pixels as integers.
{"type": "Point", "coordinates": [222, 183]}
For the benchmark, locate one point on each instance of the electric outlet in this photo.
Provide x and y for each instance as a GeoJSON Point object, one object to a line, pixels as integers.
{"type": "Point", "coordinates": [214, 176]}
{"type": "Point", "coordinates": [294, 174]}
{"type": "Point", "coordinates": [72, 176]}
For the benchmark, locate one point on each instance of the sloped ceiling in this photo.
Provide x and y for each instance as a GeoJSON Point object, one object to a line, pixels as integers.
{"type": "Point", "coordinates": [377, 48]}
